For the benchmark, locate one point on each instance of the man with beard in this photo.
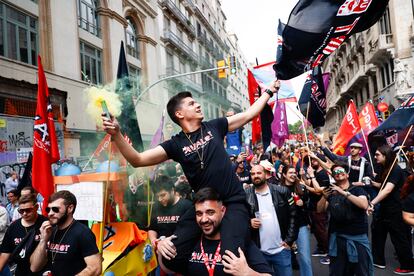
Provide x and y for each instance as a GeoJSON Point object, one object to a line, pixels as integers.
{"type": "Point", "coordinates": [66, 246]}
{"type": "Point", "coordinates": [168, 210]}
{"type": "Point", "coordinates": [272, 212]}
{"type": "Point", "coordinates": [206, 258]}
{"type": "Point", "coordinates": [22, 236]}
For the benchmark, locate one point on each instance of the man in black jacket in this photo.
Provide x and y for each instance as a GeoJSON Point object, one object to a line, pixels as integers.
{"type": "Point", "coordinates": [272, 212]}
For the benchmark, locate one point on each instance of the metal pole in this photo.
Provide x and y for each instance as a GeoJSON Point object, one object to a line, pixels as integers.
{"type": "Point", "coordinates": [176, 76]}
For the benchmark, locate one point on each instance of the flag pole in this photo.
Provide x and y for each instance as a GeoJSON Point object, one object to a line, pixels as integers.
{"type": "Point", "coordinates": [306, 135]}
{"type": "Point", "coordinates": [105, 199]}
{"type": "Point", "coordinates": [396, 157]}
{"type": "Point", "coordinates": [369, 152]}
{"type": "Point", "coordinates": [408, 160]}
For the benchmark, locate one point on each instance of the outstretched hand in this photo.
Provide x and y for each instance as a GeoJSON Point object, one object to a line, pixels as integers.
{"type": "Point", "coordinates": [110, 125]}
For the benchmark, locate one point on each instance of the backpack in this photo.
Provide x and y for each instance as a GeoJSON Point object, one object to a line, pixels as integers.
{"type": "Point", "coordinates": [340, 208]}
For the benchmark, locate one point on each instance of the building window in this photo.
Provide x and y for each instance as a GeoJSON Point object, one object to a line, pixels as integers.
{"type": "Point", "coordinates": [387, 73]}
{"type": "Point", "coordinates": [134, 77]}
{"type": "Point", "coordinates": [91, 63]}
{"type": "Point", "coordinates": [132, 39]}
{"type": "Point", "coordinates": [88, 16]}
{"type": "Point", "coordinates": [18, 35]}
{"type": "Point", "coordinates": [385, 23]}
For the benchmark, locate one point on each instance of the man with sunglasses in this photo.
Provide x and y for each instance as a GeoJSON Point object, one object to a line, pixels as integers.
{"type": "Point", "coordinates": [66, 246]}
{"type": "Point", "coordinates": [349, 247]}
{"type": "Point", "coordinates": [358, 166]}
{"type": "Point", "coordinates": [17, 246]}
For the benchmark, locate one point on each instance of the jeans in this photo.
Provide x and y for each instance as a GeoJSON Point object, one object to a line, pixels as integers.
{"type": "Point", "coordinates": [304, 254]}
{"type": "Point", "coordinates": [320, 229]}
{"type": "Point", "coordinates": [280, 262]}
{"type": "Point", "coordinates": [5, 271]}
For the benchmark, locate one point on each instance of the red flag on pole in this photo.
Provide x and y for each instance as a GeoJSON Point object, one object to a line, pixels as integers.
{"type": "Point", "coordinates": [368, 119]}
{"type": "Point", "coordinates": [45, 146]}
{"type": "Point", "coordinates": [253, 95]}
{"type": "Point", "coordinates": [349, 127]}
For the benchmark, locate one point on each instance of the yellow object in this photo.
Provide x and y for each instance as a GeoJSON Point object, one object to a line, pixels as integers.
{"type": "Point", "coordinates": [221, 72]}
{"type": "Point", "coordinates": [134, 263]}
{"type": "Point", "coordinates": [95, 96]}
{"type": "Point", "coordinates": [3, 123]}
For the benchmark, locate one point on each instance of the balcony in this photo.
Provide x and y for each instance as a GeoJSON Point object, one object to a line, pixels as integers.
{"type": "Point", "coordinates": [379, 47]}
{"type": "Point", "coordinates": [182, 83]}
{"type": "Point", "coordinates": [212, 31]}
{"type": "Point", "coordinates": [170, 6]}
{"type": "Point", "coordinates": [172, 39]}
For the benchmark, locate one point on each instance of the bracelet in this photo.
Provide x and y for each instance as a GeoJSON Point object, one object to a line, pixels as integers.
{"type": "Point", "coordinates": [348, 194]}
{"type": "Point", "coordinates": [268, 91]}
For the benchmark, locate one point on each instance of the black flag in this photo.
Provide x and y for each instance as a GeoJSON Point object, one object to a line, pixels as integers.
{"type": "Point", "coordinates": [316, 28]}
{"type": "Point", "coordinates": [128, 118]}
{"type": "Point", "coordinates": [26, 180]}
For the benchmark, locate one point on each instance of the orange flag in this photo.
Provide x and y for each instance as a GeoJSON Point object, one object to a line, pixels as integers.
{"type": "Point", "coordinates": [349, 127]}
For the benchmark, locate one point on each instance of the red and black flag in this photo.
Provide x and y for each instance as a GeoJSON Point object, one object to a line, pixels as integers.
{"type": "Point", "coordinates": [313, 96]}
{"type": "Point", "coordinates": [316, 28]}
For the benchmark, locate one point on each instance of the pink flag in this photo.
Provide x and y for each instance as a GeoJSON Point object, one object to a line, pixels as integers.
{"type": "Point", "coordinates": [280, 130]}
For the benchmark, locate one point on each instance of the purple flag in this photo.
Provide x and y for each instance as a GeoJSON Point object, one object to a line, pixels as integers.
{"type": "Point", "coordinates": [159, 134]}
{"type": "Point", "coordinates": [280, 131]}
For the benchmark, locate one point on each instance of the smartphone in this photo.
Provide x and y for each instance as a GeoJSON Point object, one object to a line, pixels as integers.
{"type": "Point", "coordinates": [105, 109]}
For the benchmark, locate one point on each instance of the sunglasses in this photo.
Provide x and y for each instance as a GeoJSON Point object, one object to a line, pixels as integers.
{"type": "Point", "coordinates": [25, 210]}
{"type": "Point", "coordinates": [53, 209]}
{"type": "Point", "coordinates": [338, 171]}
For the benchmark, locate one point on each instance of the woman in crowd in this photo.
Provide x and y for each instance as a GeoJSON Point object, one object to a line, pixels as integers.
{"type": "Point", "coordinates": [388, 219]}
{"type": "Point", "coordinates": [301, 198]}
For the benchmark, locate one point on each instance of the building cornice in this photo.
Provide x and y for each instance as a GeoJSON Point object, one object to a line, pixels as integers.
{"type": "Point", "coordinates": [112, 14]}
{"type": "Point", "coordinates": [147, 39]}
{"type": "Point", "coordinates": [143, 5]}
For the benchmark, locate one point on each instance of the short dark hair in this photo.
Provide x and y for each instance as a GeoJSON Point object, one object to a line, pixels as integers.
{"type": "Point", "coordinates": [29, 188]}
{"type": "Point", "coordinates": [206, 194]}
{"type": "Point", "coordinates": [15, 192]}
{"type": "Point", "coordinates": [27, 199]}
{"type": "Point", "coordinates": [340, 164]}
{"type": "Point", "coordinates": [175, 103]}
{"type": "Point", "coordinates": [67, 196]}
{"type": "Point", "coordinates": [163, 183]}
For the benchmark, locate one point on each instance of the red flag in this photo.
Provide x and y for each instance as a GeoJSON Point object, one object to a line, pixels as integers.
{"type": "Point", "coordinates": [253, 95]}
{"type": "Point", "coordinates": [349, 127]}
{"type": "Point", "coordinates": [45, 147]}
{"type": "Point", "coordinates": [368, 119]}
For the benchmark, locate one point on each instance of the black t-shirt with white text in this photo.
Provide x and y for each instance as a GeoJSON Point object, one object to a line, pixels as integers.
{"type": "Point", "coordinates": [68, 247]}
{"type": "Point", "coordinates": [217, 172]}
{"type": "Point", "coordinates": [14, 236]}
{"type": "Point", "coordinates": [197, 267]}
{"type": "Point", "coordinates": [244, 177]}
{"type": "Point", "coordinates": [164, 219]}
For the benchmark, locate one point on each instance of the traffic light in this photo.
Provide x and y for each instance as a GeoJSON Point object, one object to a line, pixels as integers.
{"type": "Point", "coordinates": [233, 65]}
{"type": "Point", "coordinates": [221, 72]}
{"type": "Point", "coordinates": [386, 114]}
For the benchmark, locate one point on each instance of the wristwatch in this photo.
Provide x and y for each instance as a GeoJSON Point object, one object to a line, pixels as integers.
{"type": "Point", "coordinates": [268, 91]}
{"type": "Point", "coordinates": [347, 194]}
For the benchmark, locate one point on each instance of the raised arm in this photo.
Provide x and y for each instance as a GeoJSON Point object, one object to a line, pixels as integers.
{"type": "Point", "coordinates": [136, 159]}
{"type": "Point", "coordinates": [240, 119]}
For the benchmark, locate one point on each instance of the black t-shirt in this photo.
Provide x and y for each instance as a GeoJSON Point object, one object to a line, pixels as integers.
{"type": "Point", "coordinates": [68, 247]}
{"type": "Point", "coordinates": [164, 219]}
{"type": "Point", "coordinates": [136, 201]}
{"type": "Point", "coordinates": [14, 236]}
{"type": "Point", "coordinates": [408, 203]}
{"type": "Point", "coordinates": [323, 180]}
{"type": "Point", "coordinates": [358, 224]}
{"type": "Point", "coordinates": [217, 172]}
{"type": "Point", "coordinates": [302, 217]}
{"type": "Point", "coordinates": [392, 203]}
{"type": "Point", "coordinates": [197, 267]}
{"type": "Point", "coordinates": [244, 177]}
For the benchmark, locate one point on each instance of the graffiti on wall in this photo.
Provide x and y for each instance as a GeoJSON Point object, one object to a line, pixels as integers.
{"type": "Point", "coordinates": [16, 139]}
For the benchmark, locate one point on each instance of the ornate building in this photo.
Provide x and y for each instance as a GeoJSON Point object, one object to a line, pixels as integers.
{"type": "Point", "coordinates": [79, 43]}
{"type": "Point", "coordinates": [374, 65]}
